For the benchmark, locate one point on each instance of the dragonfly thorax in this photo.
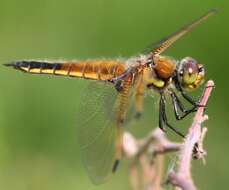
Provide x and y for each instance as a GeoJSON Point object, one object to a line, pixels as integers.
{"type": "Point", "coordinates": [164, 67]}
{"type": "Point", "coordinates": [160, 75]}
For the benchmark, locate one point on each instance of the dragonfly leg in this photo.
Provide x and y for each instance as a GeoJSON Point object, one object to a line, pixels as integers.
{"type": "Point", "coordinates": [189, 98]}
{"type": "Point", "coordinates": [185, 95]}
{"type": "Point", "coordinates": [177, 104]}
{"type": "Point", "coordinates": [163, 118]}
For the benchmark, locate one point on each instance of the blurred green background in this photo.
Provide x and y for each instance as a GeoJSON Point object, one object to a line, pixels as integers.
{"type": "Point", "coordinates": [38, 146]}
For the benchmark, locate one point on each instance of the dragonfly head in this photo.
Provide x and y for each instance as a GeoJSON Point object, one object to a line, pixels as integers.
{"type": "Point", "coordinates": [190, 73]}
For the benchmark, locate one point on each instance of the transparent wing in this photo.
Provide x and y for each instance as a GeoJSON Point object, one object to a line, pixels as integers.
{"type": "Point", "coordinates": [165, 43]}
{"type": "Point", "coordinates": [96, 130]}
{"type": "Point", "coordinates": [99, 130]}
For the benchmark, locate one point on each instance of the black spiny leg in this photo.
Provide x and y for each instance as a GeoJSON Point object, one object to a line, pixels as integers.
{"type": "Point", "coordinates": [184, 94]}
{"type": "Point", "coordinates": [186, 97]}
{"type": "Point", "coordinates": [161, 114]}
{"type": "Point", "coordinates": [178, 104]}
{"type": "Point", "coordinates": [189, 98]}
{"type": "Point", "coordinates": [163, 117]}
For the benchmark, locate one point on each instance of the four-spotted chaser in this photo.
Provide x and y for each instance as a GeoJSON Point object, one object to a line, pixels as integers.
{"type": "Point", "coordinates": [120, 89]}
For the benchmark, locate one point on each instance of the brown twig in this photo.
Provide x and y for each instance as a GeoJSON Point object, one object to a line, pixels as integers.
{"type": "Point", "coordinates": [147, 154]}
{"type": "Point", "coordinates": [155, 145]}
{"type": "Point", "coordinates": [193, 141]}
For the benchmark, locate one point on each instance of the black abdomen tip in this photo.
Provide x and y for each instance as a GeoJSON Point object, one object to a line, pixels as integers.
{"type": "Point", "coordinates": [33, 65]}
{"type": "Point", "coordinates": [13, 64]}
{"type": "Point", "coordinates": [19, 64]}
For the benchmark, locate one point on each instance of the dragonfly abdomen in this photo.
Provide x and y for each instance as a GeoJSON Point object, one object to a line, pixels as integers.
{"type": "Point", "coordinates": [96, 70]}
{"type": "Point", "coordinates": [37, 67]}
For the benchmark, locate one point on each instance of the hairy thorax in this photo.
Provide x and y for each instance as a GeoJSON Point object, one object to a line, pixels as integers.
{"type": "Point", "coordinates": [160, 76]}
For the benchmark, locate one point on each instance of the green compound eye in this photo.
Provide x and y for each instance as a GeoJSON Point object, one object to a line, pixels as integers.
{"type": "Point", "coordinates": [190, 73]}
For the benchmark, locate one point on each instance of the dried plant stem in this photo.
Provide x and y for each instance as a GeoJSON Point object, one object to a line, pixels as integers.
{"type": "Point", "coordinates": [193, 142]}
{"type": "Point", "coordinates": [156, 145]}
{"type": "Point", "coordinates": [147, 154]}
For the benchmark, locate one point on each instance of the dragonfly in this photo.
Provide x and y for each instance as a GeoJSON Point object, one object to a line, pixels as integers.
{"type": "Point", "coordinates": [116, 94]}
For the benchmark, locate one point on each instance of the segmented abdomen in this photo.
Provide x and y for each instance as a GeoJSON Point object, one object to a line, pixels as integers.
{"type": "Point", "coordinates": [97, 70]}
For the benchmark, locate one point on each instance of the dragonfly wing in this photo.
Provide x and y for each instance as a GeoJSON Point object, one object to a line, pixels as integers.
{"type": "Point", "coordinates": [162, 45]}
{"type": "Point", "coordinates": [97, 131]}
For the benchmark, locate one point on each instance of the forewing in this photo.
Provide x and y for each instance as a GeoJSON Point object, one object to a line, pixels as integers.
{"type": "Point", "coordinates": [162, 45]}
{"type": "Point", "coordinates": [97, 130]}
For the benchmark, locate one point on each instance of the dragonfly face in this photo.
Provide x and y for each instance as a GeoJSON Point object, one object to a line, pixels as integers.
{"type": "Point", "coordinates": [119, 93]}
{"type": "Point", "coordinates": [190, 73]}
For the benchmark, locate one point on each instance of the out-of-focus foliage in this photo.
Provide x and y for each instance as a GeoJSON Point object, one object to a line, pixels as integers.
{"type": "Point", "coordinates": [38, 146]}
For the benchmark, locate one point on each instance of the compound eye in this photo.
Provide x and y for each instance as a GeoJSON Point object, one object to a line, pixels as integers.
{"type": "Point", "coordinates": [189, 70]}
{"type": "Point", "coordinates": [190, 66]}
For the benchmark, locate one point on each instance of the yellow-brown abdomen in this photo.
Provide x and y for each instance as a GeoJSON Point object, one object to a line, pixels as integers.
{"type": "Point", "coordinates": [96, 70]}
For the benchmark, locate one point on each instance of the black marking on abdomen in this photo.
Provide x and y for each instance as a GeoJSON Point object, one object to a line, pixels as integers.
{"type": "Point", "coordinates": [34, 65]}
